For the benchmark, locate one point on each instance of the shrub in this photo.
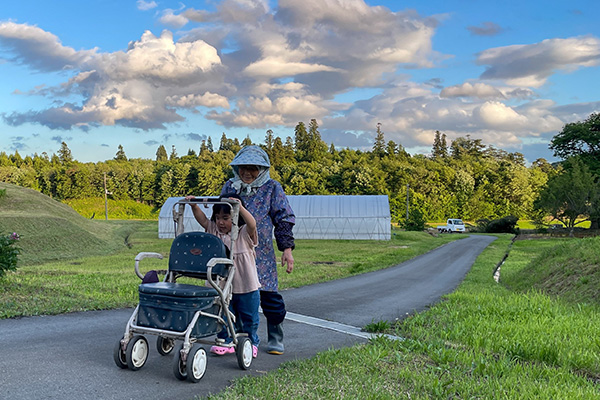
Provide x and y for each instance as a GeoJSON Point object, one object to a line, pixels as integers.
{"type": "Point", "coordinates": [2, 193]}
{"type": "Point", "coordinates": [503, 225]}
{"type": "Point", "coordinates": [415, 221]}
{"type": "Point", "coordinates": [9, 253]}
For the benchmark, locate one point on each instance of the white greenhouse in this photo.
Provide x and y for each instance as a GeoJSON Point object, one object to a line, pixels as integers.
{"type": "Point", "coordinates": [317, 217]}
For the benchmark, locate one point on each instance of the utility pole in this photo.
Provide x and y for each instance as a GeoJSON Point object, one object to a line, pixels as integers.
{"type": "Point", "coordinates": [105, 199]}
{"type": "Point", "coordinates": [407, 193]}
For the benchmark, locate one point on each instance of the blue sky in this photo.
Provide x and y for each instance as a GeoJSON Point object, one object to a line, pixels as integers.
{"type": "Point", "coordinates": [99, 74]}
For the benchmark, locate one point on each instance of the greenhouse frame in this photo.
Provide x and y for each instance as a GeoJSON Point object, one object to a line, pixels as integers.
{"type": "Point", "coordinates": [317, 217]}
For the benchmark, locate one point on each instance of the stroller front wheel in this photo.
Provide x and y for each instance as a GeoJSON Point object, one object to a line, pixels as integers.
{"type": "Point", "coordinates": [196, 363]}
{"type": "Point", "coordinates": [137, 352]}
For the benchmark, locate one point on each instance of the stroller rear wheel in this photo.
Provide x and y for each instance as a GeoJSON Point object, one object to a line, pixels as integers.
{"type": "Point", "coordinates": [243, 351]}
{"type": "Point", "coordinates": [196, 363]}
{"type": "Point", "coordinates": [119, 356]}
{"type": "Point", "coordinates": [164, 345]}
{"type": "Point", "coordinates": [137, 352]}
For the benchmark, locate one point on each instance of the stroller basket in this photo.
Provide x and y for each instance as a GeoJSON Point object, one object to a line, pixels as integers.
{"type": "Point", "coordinates": [171, 306]}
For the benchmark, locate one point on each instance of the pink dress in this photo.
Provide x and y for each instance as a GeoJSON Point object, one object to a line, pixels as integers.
{"type": "Point", "coordinates": [245, 279]}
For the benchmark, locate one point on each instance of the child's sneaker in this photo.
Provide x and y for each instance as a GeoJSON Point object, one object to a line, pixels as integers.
{"type": "Point", "coordinates": [254, 351]}
{"type": "Point", "coordinates": [222, 350]}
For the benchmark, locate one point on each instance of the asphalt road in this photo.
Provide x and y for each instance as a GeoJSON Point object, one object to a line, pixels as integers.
{"type": "Point", "coordinates": [69, 357]}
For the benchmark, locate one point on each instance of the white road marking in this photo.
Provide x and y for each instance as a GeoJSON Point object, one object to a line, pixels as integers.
{"type": "Point", "coordinates": [335, 326]}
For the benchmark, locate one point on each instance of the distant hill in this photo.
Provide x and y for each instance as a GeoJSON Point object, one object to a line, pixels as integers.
{"type": "Point", "coordinates": [51, 230]}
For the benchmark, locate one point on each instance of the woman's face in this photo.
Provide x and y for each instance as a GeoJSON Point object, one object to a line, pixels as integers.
{"type": "Point", "coordinates": [248, 173]}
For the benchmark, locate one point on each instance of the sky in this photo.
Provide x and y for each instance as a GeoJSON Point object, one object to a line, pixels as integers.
{"type": "Point", "coordinates": [97, 74]}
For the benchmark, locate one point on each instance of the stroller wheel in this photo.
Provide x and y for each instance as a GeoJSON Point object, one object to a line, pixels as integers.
{"type": "Point", "coordinates": [179, 369]}
{"type": "Point", "coordinates": [164, 345]}
{"type": "Point", "coordinates": [119, 356]}
{"type": "Point", "coordinates": [243, 351]}
{"type": "Point", "coordinates": [196, 363]}
{"type": "Point", "coordinates": [137, 352]}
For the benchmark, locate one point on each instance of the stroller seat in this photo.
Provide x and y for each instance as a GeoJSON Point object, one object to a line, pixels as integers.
{"type": "Point", "coordinates": [177, 290]}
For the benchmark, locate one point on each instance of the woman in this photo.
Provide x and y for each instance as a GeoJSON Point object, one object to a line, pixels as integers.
{"type": "Point", "coordinates": [266, 201]}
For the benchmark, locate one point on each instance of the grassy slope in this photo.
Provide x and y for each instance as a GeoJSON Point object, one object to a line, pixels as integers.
{"type": "Point", "coordinates": [566, 268]}
{"type": "Point", "coordinates": [51, 230]}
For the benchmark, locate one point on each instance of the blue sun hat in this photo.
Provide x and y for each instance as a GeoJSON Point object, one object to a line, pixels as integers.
{"type": "Point", "coordinates": [250, 155]}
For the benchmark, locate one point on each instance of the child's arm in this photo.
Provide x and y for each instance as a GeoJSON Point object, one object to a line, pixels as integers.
{"type": "Point", "coordinates": [198, 213]}
{"type": "Point", "coordinates": [250, 221]}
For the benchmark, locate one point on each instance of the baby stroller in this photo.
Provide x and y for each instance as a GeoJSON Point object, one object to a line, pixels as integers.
{"type": "Point", "coordinates": [184, 316]}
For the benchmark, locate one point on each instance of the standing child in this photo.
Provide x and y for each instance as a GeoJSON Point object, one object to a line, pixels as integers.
{"type": "Point", "coordinates": [246, 298]}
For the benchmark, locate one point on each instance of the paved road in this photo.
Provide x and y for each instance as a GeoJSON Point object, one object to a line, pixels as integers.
{"type": "Point", "coordinates": [69, 357]}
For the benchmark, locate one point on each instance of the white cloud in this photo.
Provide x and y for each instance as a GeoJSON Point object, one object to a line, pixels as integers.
{"type": "Point", "coordinates": [39, 49]}
{"type": "Point", "coordinates": [146, 5]}
{"type": "Point", "coordinates": [277, 68]}
{"type": "Point", "coordinates": [193, 100]}
{"type": "Point", "coordinates": [171, 19]}
{"type": "Point", "coordinates": [530, 65]}
{"type": "Point", "coordinates": [479, 90]}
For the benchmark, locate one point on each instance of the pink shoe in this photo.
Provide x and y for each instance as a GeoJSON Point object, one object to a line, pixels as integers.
{"type": "Point", "coordinates": [222, 350]}
{"type": "Point", "coordinates": [254, 351]}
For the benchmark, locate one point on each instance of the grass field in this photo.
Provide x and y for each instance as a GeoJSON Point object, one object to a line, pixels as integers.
{"type": "Point", "coordinates": [533, 335]}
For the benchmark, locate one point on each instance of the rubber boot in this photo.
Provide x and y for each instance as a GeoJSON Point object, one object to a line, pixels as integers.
{"type": "Point", "coordinates": [275, 339]}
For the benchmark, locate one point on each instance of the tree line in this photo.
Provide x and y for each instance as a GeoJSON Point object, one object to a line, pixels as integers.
{"type": "Point", "coordinates": [461, 178]}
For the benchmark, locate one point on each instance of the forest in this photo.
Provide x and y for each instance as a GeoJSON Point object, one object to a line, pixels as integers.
{"type": "Point", "coordinates": [463, 178]}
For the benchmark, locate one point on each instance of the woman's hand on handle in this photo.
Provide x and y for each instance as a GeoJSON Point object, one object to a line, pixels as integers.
{"type": "Point", "coordinates": [287, 259]}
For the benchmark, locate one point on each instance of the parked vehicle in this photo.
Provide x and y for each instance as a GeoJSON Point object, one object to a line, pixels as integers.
{"type": "Point", "coordinates": [452, 225]}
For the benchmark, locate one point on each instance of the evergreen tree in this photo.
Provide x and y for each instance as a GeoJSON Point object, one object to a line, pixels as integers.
{"type": "Point", "coordinates": [64, 154]}
{"type": "Point", "coordinates": [440, 148]}
{"type": "Point", "coordinates": [224, 144]}
{"type": "Point", "coordinates": [269, 141]}
{"type": "Point", "coordinates": [210, 145]}
{"type": "Point", "coordinates": [379, 145]}
{"type": "Point", "coordinates": [391, 149]}
{"type": "Point", "coordinates": [317, 147]}
{"type": "Point", "coordinates": [203, 147]}
{"type": "Point", "coordinates": [247, 141]}
{"type": "Point", "coordinates": [301, 144]}
{"type": "Point", "coordinates": [173, 155]}
{"type": "Point", "coordinates": [161, 153]}
{"type": "Point", "coordinates": [120, 156]}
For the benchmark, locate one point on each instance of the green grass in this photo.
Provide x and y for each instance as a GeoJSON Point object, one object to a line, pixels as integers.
{"type": "Point", "coordinates": [484, 341]}
{"type": "Point", "coordinates": [117, 209]}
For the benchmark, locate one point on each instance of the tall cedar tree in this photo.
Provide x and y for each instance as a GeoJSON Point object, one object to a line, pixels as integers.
{"type": "Point", "coordinates": [379, 145]}
{"type": "Point", "coordinates": [161, 153]}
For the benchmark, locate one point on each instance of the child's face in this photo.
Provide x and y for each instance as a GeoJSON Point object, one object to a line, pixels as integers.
{"type": "Point", "coordinates": [223, 221]}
